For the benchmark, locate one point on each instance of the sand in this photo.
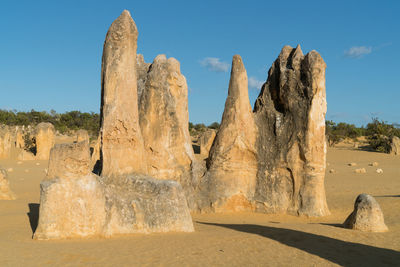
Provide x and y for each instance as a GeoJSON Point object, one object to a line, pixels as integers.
{"type": "Point", "coordinates": [241, 239]}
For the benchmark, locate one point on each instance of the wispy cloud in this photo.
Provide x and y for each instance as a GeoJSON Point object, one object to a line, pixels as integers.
{"type": "Point", "coordinates": [215, 64]}
{"type": "Point", "coordinates": [254, 83]}
{"type": "Point", "coordinates": [358, 51]}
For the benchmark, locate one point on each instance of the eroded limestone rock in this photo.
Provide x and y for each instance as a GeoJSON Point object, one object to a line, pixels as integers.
{"type": "Point", "coordinates": [45, 139]}
{"type": "Point", "coordinates": [395, 146]}
{"type": "Point", "coordinates": [164, 120]}
{"type": "Point", "coordinates": [232, 161]}
{"type": "Point", "coordinates": [366, 216]}
{"type": "Point", "coordinates": [141, 70]}
{"type": "Point", "coordinates": [69, 161]}
{"type": "Point", "coordinates": [122, 149]}
{"type": "Point", "coordinates": [205, 141]}
{"type": "Point", "coordinates": [141, 204]}
{"type": "Point", "coordinates": [5, 191]}
{"type": "Point", "coordinates": [291, 147]}
{"type": "Point", "coordinates": [5, 142]}
{"type": "Point", "coordinates": [82, 136]}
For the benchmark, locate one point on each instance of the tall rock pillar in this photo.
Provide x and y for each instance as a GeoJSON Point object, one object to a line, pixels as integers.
{"type": "Point", "coordinates": [122, 149]}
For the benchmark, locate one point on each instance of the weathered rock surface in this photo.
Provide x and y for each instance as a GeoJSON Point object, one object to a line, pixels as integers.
{"type": "Point", "coordinates": [164, 120]}
{"type": "Point", "coordinates": [71, 208]}
{"type": "Point", "coordinates": [206, 140]}
{"type": "Point", "coordinates": [291, 147]}
{"type": "Point", "coordinates": [141, 204]}
{"type": "Point", "coordinates": [19, 137]}
{"type": "Point", "coordinates": [95, 156]}
{"type": "Point", "coordinates": [141, 72]}
{"type": "Point", "coordinates": [45, 139]}
{"type": "Point", "coordinates": [5, 191]}
{"type": "Point", "coordinates": [82, 136]}
{"type": "Point", "coordinates": [69, 160]}
{"type": "Point", "coordinates": [5, 142]}
{"type": "Point", "coordinates": [395, 146]}
{"type": "Point", "coordinates": [366, 216]}
{"type": "Point", "coordinates": [25, 155]}
{"type": "Point", "coordinates": [232, 162]}
{"type": "Point", "coordinates": [122, 149]}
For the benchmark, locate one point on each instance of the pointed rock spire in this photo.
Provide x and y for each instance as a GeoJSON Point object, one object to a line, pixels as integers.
{"type": "Point", "coordinates": [232, 162]}
{"type": "Point", "coordinates": [122, 149]}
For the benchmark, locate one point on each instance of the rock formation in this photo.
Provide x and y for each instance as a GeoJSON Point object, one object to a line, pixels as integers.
{"type": "Point", "coordinates": [69, 160]}
{"type": "Point", "coordinates": [205, 141]}
{"type": "Point", "coordinates": [232, 162]}
{"type": "Point", "coordinates": [44, 137]}
{"type": "Point", "coordinates": [141, 72]}
{"type": "Point", "coordinates": [19, 137]}
{"type": "Point", "coordinates": [291, 148]}
{"type": "Point", "coordinates": [82, 135]}
{"type": "Point", "coordinates": [77, 203]}
{"type": "Point", "coordinates": [122, 149]}
{"type": "Point", "coordinates": [164, 120]}
{"type": "Point", "coordinates": [272, 160]}
{"type": "Point", "coordinates": [141, 204]}
{"type": "Point", "coordinates": [366, 216]}
{"type": "Point", "coordinates": [5, 191]}
{"type": "Point", "coordinates": [5, 142]}
{"type": "Point", "coordinates": [395, 146]}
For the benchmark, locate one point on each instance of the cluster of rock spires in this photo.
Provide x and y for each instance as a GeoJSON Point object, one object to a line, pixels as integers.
{"type": "Point", "coordinates": [270, 159]}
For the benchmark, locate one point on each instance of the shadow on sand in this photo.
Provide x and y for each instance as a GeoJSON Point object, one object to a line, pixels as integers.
{"type": "Point", "coordinates": [33, 215]}
{"type": "Point", "coordinates": [337, 251]}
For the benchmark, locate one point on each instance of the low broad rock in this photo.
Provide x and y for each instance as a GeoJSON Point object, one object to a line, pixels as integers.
{"type": "Point", "coordinates": [367, 215]}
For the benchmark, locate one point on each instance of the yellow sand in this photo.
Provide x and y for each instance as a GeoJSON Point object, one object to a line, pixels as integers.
{"type": "Point", "coordinates": [242, 239]}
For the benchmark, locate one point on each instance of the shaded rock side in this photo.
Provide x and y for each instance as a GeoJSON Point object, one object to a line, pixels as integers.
{"type": "Point", "coordinates": [45, 139]}
{"type": "Point", "coordinates": [5, 142]}
{"type": "Point", "coordinates": [141, 204]}
{"type": "Point", "coordinates": [141, 72]}
{"type": "Point", "coordinates": [290, 116]}
{"type": "Point", "coordinates": [69, 161]}
{"type": "Point", "coordinates": [122, 149]}
{"type": "Point", "coordinates": [205, 141]}
{"type": "Point", "coordinates": [395, 146]}
{"type": "Point", "coordinates": [5, 191]}
{"type": "Point", "coordinates": [164, 120]}
{"type": "Point", "coordinates": [232, 161]}
{"type": "Point", "coordinates": [366, 216]}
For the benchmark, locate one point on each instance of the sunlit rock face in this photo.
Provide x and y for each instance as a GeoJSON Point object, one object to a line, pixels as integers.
{"type": "Point", "coordinates": [232, 161]}
{"type": "Point", "coordinates": [122, 149]}
{"type": "Point", "coordinates": [45, 139]}
{"type": "Point", "coordinates": [5, 191]}
{"type": "Point", "coordinates": [291, 148]}
{"type": "Point", "coordinates": [164, 120]}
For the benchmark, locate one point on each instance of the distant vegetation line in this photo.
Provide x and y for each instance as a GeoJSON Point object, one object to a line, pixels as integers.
{"type": "Point", "coordinates": [378, 133]}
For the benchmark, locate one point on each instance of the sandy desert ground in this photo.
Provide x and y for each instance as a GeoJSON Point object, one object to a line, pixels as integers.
{"type": "Point", "coordinates": [242, 239]}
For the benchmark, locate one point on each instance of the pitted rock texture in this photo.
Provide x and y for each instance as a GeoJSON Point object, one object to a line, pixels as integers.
{"type": "Point", "coordinates": [142, 204]}
{"type": "Point", "coordinates": [367, 215]}
{"type": "Point", "coordinates": [69, 161]}
{"type": "Point", "coordinates": [5, 191]}
{"type": "Point", "coordinates": [122, 149]}
{"type": "Point", "coordinates": [45, 139]}
{"type": "Point", "coordinates": [232, 161]}
{"type": "Point", "coordinates": [291, 148]}
{"type": "Point", "coordinates": [71, 208]}
{"type": "Point", "coordinates": [164, 120]}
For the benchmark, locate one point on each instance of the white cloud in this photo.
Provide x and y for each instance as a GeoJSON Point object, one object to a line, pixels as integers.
{"type": "Point", "coordinates": [358, 51]}
{"type": "Point", "coordinates": [254, 83]}
{"type": "Point", "coordinates": [215, 64]}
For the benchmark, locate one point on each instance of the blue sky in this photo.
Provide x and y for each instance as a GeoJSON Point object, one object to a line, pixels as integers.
{"type": "Point", "coordinates": [50, 51]}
